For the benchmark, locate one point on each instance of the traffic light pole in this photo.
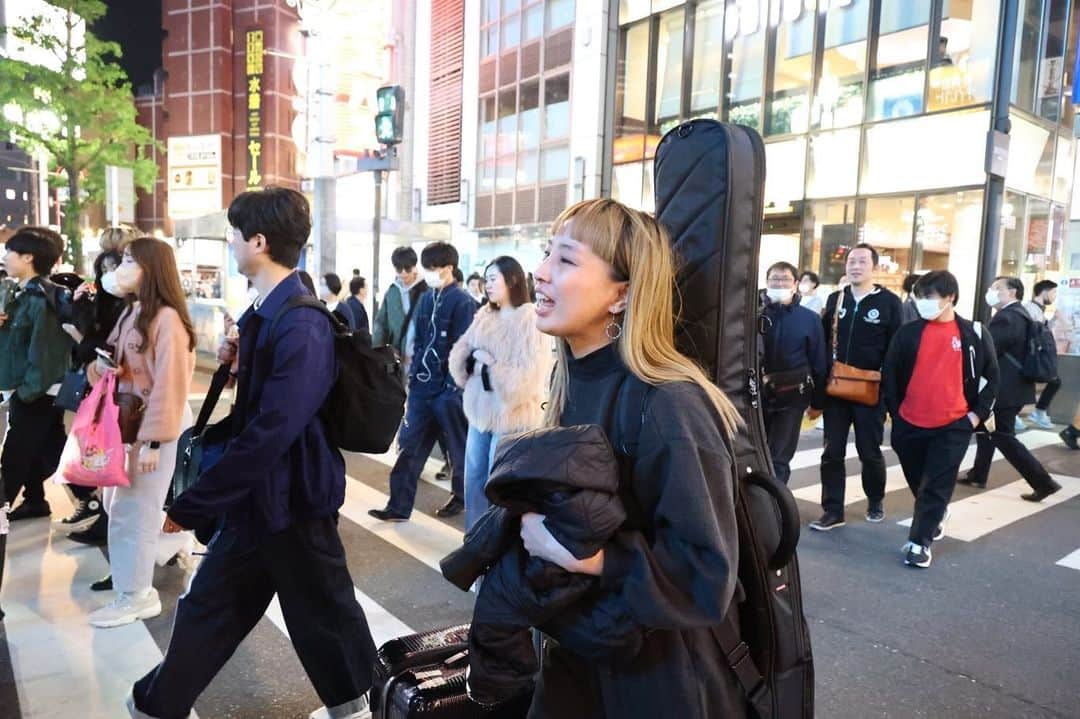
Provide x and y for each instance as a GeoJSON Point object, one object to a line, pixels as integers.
{"type": "Point", "coordinates": [377, 165]}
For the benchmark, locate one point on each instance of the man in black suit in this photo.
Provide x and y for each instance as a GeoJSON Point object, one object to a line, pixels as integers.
{"type": "Point", "coordinates": [1009, 329]}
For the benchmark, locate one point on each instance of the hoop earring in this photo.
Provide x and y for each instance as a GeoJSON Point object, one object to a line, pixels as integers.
{"type": "Point", "coordinates": [613, 330]}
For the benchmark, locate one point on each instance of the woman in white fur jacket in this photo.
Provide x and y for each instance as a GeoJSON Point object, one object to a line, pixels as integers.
{"type": "Point", "coordinates": [504, 365]}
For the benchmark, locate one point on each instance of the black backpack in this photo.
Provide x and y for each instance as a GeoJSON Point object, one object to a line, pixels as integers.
{"type": "Point", "coordinates": [365, 406]}
{"type": "Point", "coordinates": [709, 184]}
{"type": "Point", "coordinates": [1040, 352]}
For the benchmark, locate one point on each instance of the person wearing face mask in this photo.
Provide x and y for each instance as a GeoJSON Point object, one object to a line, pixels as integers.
{"type": "Point", "coordinates": [434, 406]}
{"type": "Point", "coordinates": [793, 365]}
{"type": "Point", "coordinates": [1044, 295]}
{"type": "Point", "coordinates": [866, 316]}
{"type": "Point", "coordinates": [940, 382]}
{"type": "Point", "coordinates": [1009, 328]}
{"type": "Point", "coordinates": [96, 309]}
{"type": "Point", "coordinates": [808, 296]}
{"type": "Point", "coordinates": [394, 324]}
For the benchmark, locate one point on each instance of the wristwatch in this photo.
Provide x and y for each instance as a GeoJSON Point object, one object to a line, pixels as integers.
{"type": "Point", "coordinates": [154, 445]}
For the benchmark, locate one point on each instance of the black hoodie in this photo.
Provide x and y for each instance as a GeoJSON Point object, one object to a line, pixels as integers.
{"type": "Point", "coordinates": [866, 327]}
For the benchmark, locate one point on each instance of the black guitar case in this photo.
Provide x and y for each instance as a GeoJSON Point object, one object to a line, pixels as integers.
{"type": "Point", "coordinates": [710, 181]}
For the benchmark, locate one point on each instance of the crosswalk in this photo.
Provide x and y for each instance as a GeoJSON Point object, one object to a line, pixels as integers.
{"type": "Point", "coordinates": [55, 656]}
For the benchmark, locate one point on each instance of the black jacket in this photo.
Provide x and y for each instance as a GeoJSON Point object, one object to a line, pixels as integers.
{"type": "Point", "coordinates": [980, 361]}
{"type": "Point", "coordinates": [793, 340]}
{"type": "Point", "coordinates": [1009, 328]}
{"type": "Point", "coordinates": [570, 475]}
{"type": "Point", "coordinates": [866, 327]}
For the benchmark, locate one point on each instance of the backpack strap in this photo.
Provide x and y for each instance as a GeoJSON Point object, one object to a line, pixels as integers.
{"type": "Point", "coordinates": [630, 414]}
{"type": "Point", "coordinates": [737, 654]}
{"type": "Point", "coordinates": [304, 300]}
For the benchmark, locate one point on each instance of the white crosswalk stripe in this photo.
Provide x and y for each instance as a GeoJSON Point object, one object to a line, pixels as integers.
{"type": "Point", "coordinates": [1071, 560]}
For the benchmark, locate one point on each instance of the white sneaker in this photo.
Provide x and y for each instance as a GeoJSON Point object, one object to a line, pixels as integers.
{"type": "Point", "coordinates": [1019, 425]}
{"type": "Point", "coordinates": [941, 527]}
{"type": "Point", "coordinates": [127, 608]}
{"type": "Point", "coordinates": [1040, 419]}
{"type": "Point", "coordinates": [357, 709]}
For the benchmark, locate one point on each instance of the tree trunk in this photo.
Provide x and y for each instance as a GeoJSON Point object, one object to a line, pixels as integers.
{"type": "Point", "coordinates": [70, 225]}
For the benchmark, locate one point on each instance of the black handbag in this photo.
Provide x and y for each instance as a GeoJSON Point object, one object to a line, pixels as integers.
{"type": "Point", "coordinates": [73, 390]}
{"type": "Point", "coordinates": [201, 445]}
{"type": "Point", "coordinates": [788, 389]}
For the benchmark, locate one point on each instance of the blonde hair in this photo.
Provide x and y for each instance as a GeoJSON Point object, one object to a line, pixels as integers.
{"type": "Point", "coordinates": [116, 238]}
{"type": "Point", "coordinates": [638, 249]}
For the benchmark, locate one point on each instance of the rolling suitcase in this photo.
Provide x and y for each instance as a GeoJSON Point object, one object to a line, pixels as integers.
{"type": "Point", "coordinates": [422, 676]}
{"type": "Point", "coordinates": [709, 183]}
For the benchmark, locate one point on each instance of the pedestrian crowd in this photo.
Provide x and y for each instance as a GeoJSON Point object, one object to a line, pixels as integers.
{"type": "Point", "coordinates": [504, 371]}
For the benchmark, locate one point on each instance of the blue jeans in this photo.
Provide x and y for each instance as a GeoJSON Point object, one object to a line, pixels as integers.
{"type": "Point", "coordinates": [428, 418]}
{"type": "Point", "coordinates": [479, 456]}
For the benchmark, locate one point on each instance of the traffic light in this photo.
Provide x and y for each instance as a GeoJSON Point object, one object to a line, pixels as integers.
{"type": "Point", "coordinates": [389, 121]}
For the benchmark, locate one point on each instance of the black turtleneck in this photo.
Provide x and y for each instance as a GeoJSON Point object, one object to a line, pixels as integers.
{"type": "Point", "coordinates": [595, 380]}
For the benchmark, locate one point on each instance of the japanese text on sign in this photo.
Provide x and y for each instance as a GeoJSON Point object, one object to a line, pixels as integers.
{"type": "Point", "coordinates": [254, 64]}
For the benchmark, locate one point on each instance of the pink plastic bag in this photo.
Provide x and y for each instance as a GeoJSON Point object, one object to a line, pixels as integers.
{"type": "Point", "coordinates": [102, 459]}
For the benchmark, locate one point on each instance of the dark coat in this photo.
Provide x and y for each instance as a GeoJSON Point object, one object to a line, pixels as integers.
{"type": "Point", "coordinates": [980, 361]}
{"type": "Point", "coordinates": [1009, 328]}
{"type": "Point", "coordinates": [441, 319]}
{"type": "Point", "coordinates": [571, 476]}
{"type": "Point", "coordinates": [793, 340]}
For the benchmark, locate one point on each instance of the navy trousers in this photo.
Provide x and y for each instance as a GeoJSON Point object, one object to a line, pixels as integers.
{"type": "Point", "coordinates": [427, 418]}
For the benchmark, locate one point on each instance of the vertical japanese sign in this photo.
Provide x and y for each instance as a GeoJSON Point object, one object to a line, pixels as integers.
{"type": "Point", "coordinates": [254, 74]}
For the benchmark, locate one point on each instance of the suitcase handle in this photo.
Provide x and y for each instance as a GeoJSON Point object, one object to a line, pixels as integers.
{"type": "Point", "coordinates": [789, 518]}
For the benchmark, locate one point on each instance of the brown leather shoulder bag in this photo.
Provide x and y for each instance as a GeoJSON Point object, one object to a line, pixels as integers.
{"type": "Point", "coordinates": [846, 382]}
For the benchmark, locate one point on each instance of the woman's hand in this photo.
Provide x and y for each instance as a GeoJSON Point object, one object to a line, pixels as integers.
{"type": "Point", "coordinates": [483, 357]}
{"type": "Point", "coordinates": [103, 368]}
{"type": "Point", "coordinates": [540, 543]}
{"type": "Point", "coordinates": [148, 459]}
{"type": "Point", "coordinates": [86, 288]}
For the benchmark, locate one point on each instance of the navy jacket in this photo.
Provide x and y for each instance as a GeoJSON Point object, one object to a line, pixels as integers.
{"type": "Point", "coordinates": [793, 339]}
{"type": "Point", "coordinates": [359, 314]}
{"type": "Point", "coordinates": [1009, 327]}
{"type": "Point", "coordinates": [441, 319]}
{"type": "Point", "coordinates": [279, 466]}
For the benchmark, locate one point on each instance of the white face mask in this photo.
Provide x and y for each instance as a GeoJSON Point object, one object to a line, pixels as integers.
{"type": "Point", "coordinates": [805, 288]}
{"type": "Point", "coordinates": [433, 279]}
{"type": "Point", "coordinates": [929, 309]}
{"type": "Point", "coordinates": [783, 296]}
{"type": "Point", "coordinates": [108, 283]}
{"type": "Point", "coordinates": [992, 298]}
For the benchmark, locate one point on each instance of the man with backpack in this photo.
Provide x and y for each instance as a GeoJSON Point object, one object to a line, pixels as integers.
{"type": "Point", "coordinates": [434, 407]}
{"type": "Point", "coordinates": [1044, 294]}
{"type": "Point", "coordinates": [393, 321]}
{"type": "Point", "coordinates": [272, 498]}
{"type": "Point", "coordinates": [35, 352]}
{"type": "Point", "coordinates": [860, 321]}
{"type": "Point", "coordinates": [1010, 331]}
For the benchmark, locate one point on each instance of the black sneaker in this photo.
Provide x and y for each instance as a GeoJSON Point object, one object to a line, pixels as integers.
{"type": "Point", "coordinates": [28, 510]}
{"type": "Point", "coordinates": [828, 521]}
{"type": "Point", "coordinates": [1069, 436]}
{"type": "Point", "coordinates": [875, 513]}
{"type": "Point", "coordinates": [388, 515]}
{"type": "Point", "coordinates": [1040, 494]}
{"type": "Point", "coordinates": [444, 474]}
{"type": "Point", "coordinates": [453, 507]}
{"type": "Point", "coordinates": [970, 481]}
{"type": "Point", "coordinates": [102, 585]}
{"type": "Point", "coordinates": [85, 515]}
{"type": "Point", "coordinates": [917, 556]}
{"type": "Point", "coordinates": [96, 535]}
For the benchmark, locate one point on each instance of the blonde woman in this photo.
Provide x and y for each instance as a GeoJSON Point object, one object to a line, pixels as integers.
{"type": "Point", "coordinates": [503, 363]}
{"type": "Point", "coordinates": [154, 346]}
{"type": "Point", "coordinates": [643, 646]}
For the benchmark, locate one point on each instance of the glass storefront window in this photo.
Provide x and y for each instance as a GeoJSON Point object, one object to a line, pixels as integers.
{"type": "Point", "coordinates": [507, 143]}
{"type": "Point", "coordinates": [528, 164]}
{"type": "Point", "coordinates": [745, 26]}
{"type": "Point", "coordinates": [789, 104]}
{"type": "Point", "coordinates": [669, 64]}
{"type": "Point", "coordinates": [529, 114]}
{"type": "Point", "coordinates": [708, 56]}
{"type": "Point", "coordinates": [630, 88]}
{"type": "Point", "coordinates": [838, 101]}
{"type": "Point", "coordinates": [487, 175]}
{"type": "Point", "coordinates": [887, 225]}
{"type": "Point", "coordinates": [1063, 168]}
{"type": "Point", "coordinates": [489, 40]}
{"type": "Point", "coordinates": [834, 164]}
{"type": "Point", "coordinates": [626, 183]}
{"type": "Point", "coordinates": [555, 164]}
{"type": "Point", "coordinates": [1026, 61]}
{"type": "Point", "coordinates": [784, 185]}
{"type": "Point", "coordinates": [505, 173]}
{"type": "Point", "coordinates": [896, 83]}
{"type": "Point", "coordinates": [1013, 232]}
{"type": "Point", "coordinates": [557, 107]}
{"type": "Point", "coordinates": [947, 231]}
{"type": "Point", "coordinates": [631, 10]}
{"type": "Point", "coordinates": [511, 32]}
{"type": "Point", "coordinates": [1031, 157]}
{"type": "Point", "coordinates": [487, 127]}
{"type": "Point", "coordinates": [559, 13]}
{"type": "Point", "coordinates": [1048, 97]}
{"type": "Point", "coordinates": [946, 150]}
{"type": "Point", "coordinates": [962, 73]}
{"type": "Point", "coordinates": [830, 234]}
